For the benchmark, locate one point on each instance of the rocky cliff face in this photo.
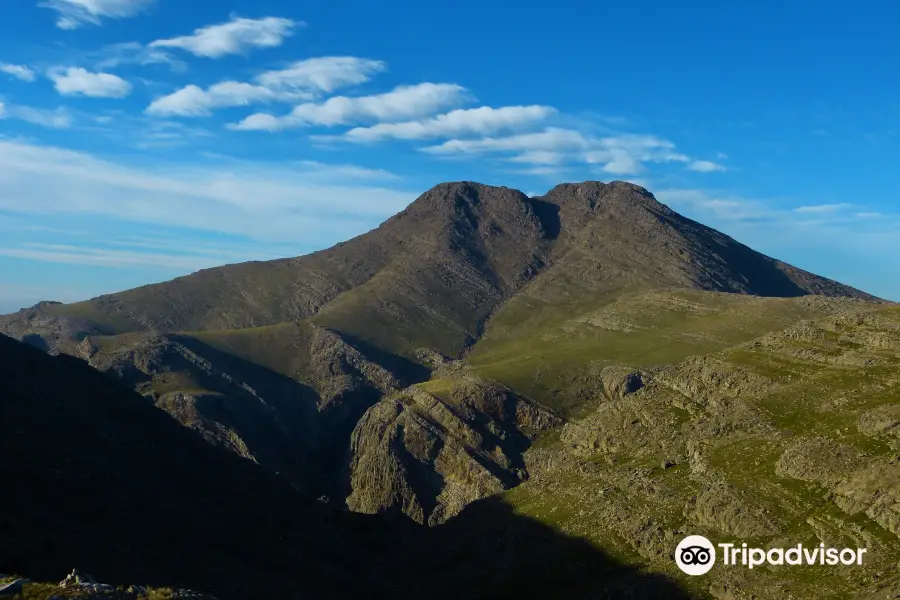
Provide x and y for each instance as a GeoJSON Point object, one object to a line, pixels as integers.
{"type": "Point", "coordinates": [429, 457]}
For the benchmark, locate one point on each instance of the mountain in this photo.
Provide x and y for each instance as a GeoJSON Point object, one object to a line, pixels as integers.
{"type": "Point", "coordinates": [433, 274]}
{"type": "Point", "coordinates": [418, 369]}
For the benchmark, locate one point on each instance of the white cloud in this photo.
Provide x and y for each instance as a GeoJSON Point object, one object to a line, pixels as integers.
{"type": "Point", "coordinates": [134, 53]}
{"type": "Point", "coordinates": [706, 166]}
{"type": "Point", "coordinates": [75, 13]}
{"type": "Point", "coordinates": [725, 207]}
{"type": "Point", "coordinates": [617, 155]}
{"type": "Point", "coordinates": [301, 81]}
{"type": "Point", "coordinates": [316, 202]}
{"type": "Point", "coordinates": [58, 118]}
{"type": "Point", "coordinates": [462, 122]}
{"type": "Point", "coordinates": [75, 81]}
{"type": "Point", "coordinates": [193, 101]}
{"type": "Point", "coordinates": [325, 73]}
{"type": "Point", "coordinates": [234, 37]}
{"type": "Point", "coordinates": [404, 102]}
{"type": "Point", "coordinates": [18, 71]}
{"type": "Point", "coordinates": [104, 257]}
{"type": "Point", "coordinates": [314, 168]}
{"type": "Point", "coordinates": [820, 209]}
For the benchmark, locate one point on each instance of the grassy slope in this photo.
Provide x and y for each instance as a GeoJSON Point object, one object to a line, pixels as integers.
{"type": "Point", "coordinates": [542, 349]}
{"type": "Point", "coordinates": [820, 387]}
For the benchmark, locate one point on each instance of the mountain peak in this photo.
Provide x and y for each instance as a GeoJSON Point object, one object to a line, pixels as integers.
{"type": "Point", "coordinates": [432, 275]}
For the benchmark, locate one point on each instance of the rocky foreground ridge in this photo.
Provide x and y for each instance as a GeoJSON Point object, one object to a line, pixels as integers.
{"type": "Point", "coordinates": [84, 587]}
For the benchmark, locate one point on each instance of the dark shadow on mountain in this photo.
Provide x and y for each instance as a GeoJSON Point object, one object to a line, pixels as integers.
{"type": "Point", "coordinates": [548, 214]}
{"type": "Point", "coordinates": [490, 553]}
{"type": "Point", "coordinates": [761, 273]}
{"type": "Point", "coordinates": [96, 478]}
{"type": "Point", "coordinates": [404, 369]}
{"type": "Point", "coordinates": [276, 416]}
{"type": "Point", "coordinates": [35, 340]}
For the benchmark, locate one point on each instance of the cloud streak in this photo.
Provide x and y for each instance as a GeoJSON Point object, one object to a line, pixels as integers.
{"type": "Point", "coordinates": [75, 81]}
{"type": "Point", "coordinates": [706, 166]}
{"type": "Point", "coordinates": [58, 118]}
{"type": "Point", "coordinates": [72, 14]}
{"type": "Point", "coordinates": [21, 72]}
{"type": "Point", "coordinates": [616, 155]}
{"type": "Point", "coordinates": [237, 36]}
{"type": "Point", "coordinates": [462, 122]}
{"type": "Point", "coordinates": [193, 101]}
{"type": "Point", "coordinates": [404, 102]}
{"type": "Point", "coordinates": [315, 202]}
{"type": "Point", "coordinates": [325, 73]}
{"type": "Point", "coordinates": [300, 81]}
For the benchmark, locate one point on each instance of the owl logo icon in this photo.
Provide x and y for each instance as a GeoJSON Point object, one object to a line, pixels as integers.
{"type": "Point", "coordinates": [695, 555]}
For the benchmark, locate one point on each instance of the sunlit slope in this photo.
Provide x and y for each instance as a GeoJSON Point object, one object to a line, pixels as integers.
{"type": "Point", "coordinates": [790, 438]}
{"type": "Point", "coordinates": [554, 352]}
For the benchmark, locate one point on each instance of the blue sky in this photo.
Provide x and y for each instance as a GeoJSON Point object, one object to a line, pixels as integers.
{"type": "Point", "coordinates": [145, 139]}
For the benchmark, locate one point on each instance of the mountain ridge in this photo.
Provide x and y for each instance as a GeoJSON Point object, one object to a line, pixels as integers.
{"type": "Point", "coordinates": [459, 240]}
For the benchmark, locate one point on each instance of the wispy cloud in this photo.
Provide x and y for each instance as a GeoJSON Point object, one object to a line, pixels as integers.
{"type": "Point", "coordinates": [105, 257]}
{"type": "Point", "coordinates": [193, 101]}
{"type": "Point", "coordinates": [462, 122]}
{"type": "Point", "coordinates": [822, 209]}
{"type": "Point", "coordinates": [75, 13]}
{"type": "Point", "coordinates": [133, 53]}
{"type": "Point", "coordinates": [725, 207]}
{"type": "Point", "coordinates": [404, 102]}
{"type": "Point", "coordinates": [58, 118]}
{"type": "Point", "coordinates": [75, 81]}
{"type": "Point", "coordinates": [237, 36]}
{"type": "Point", "coordinates": [316, 202]}
{"type": "Point", "coordinates": [20, 72]}
{"type": "Point", "coordinates": [324, 73]}
{"type": "Point", "coordinates": [706, 166]}
{"type": "Point", "coordinates": [616, 155]}
{"type": "Point", "coordinates": [301, 81]}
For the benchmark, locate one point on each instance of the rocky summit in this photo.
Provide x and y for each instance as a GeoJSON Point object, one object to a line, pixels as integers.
{"type": "Point", "coordinates": [490, 395]}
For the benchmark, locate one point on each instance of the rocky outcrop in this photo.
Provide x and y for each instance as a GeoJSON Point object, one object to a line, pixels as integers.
{"type": "Point", "coordinates": [78, 584]}
{"type": "Point", "coordinates": [884, 420]}
{"type": "Point", "coordinates": [428, 457]}
{"type": "Point", "coordinates": [819, 460]}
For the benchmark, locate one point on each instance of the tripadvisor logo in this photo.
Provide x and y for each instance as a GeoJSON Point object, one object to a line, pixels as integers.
{"type": "Point", "coordinates": [696, 555]}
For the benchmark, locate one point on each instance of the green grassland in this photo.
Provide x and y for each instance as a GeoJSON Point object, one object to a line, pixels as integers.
{"type": "Point", "coordinates": [544, 350]}
{"type": "Point", "coordinates": [822, 376]}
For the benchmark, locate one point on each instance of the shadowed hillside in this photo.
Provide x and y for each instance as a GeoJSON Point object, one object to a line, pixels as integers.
{"type": "Point", "coordinates": [96, 477]}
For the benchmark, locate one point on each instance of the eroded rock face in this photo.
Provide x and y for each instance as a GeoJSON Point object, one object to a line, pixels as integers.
{"type": "Point", "coordinates": [819, 460]}
{"type": "Point", "coordinates": [884, 420]}
{"type": "Point", "coordinates": [618, 382]}
{"type": "Point", "coordinates": [428, 457]}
